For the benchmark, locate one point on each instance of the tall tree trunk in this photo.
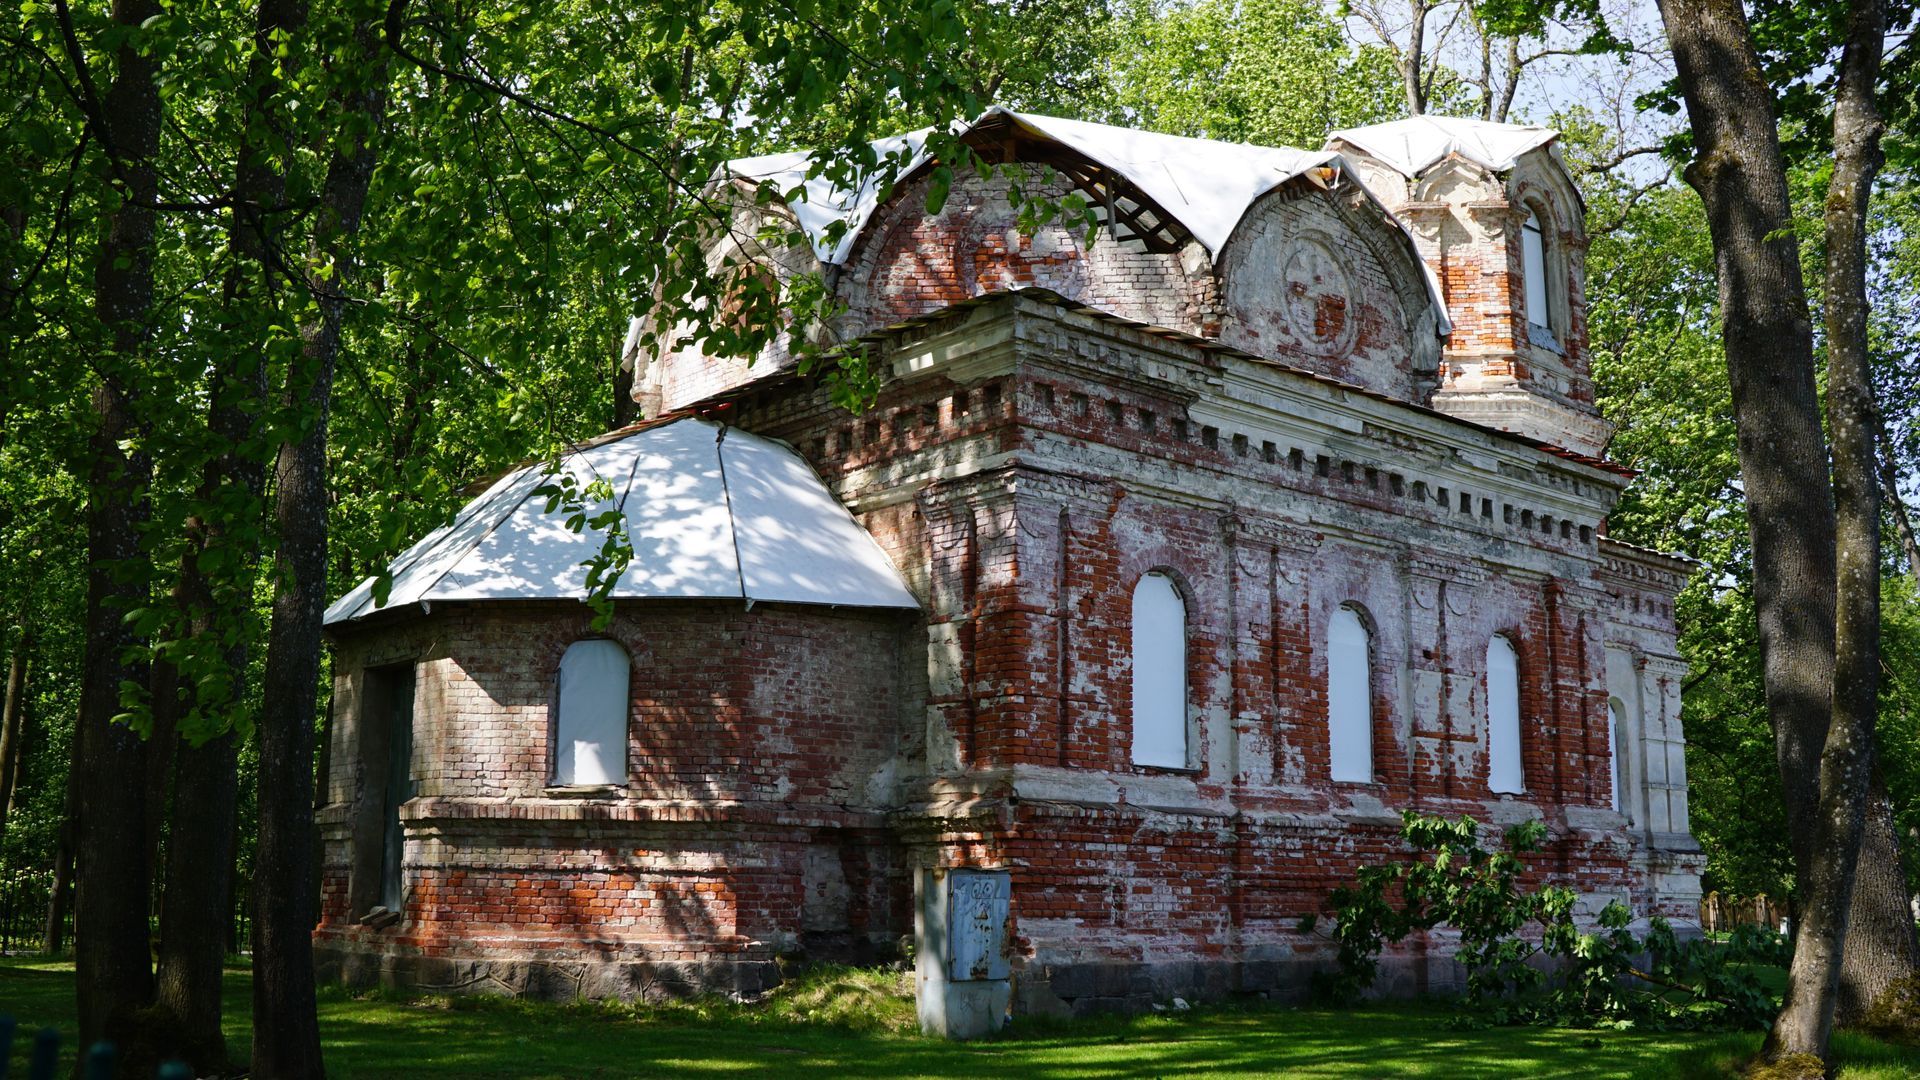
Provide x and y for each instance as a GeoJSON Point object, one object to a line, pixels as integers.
{"type": "Point", "coordinates": [196, 914]}
{"type": "Point", "coordinates": [1806, 1020]}
{"type": "Point", "coordinates": [1741, 177]}
{"type": "Point", "coordinates": [53, 936]}
{"type": "Point", "coordinates": [11, 738]}
{"type": "Point", "coordinates": [1413, 59]}
{"type": "Point", "coordinates": [163, 694]}
{"type": "Point", "coordinates": [115, 976]}
{"type": "Point", "coordinates": [196, 917]}
{"type": "Point", "coordinates": [1881, 945]}
{"type": "Point", "coordinates": [625, 409]}
{"type": "Point", "coordinates": [286, 1038]}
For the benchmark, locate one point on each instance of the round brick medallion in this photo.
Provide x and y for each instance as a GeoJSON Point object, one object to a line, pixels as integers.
{"type": "Point", "coordinates": [1319, 288]}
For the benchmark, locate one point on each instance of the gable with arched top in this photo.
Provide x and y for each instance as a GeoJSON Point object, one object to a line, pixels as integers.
{"type": "Point", "coordinates": [1326, 281]}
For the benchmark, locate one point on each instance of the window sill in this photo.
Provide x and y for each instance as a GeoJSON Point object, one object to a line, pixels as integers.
{"type": "Point", "coordinates": [1165, 770]}
{"type": "Point", "coordinates": [584, 791]}
{"type": "Point", "coordinates": [380, 918]}
{"type": "Point", "coordinates": [1542, 338]}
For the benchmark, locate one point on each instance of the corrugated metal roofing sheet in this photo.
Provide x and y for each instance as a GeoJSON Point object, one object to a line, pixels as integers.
{"type": "Point", "coordinates": [712, 512]}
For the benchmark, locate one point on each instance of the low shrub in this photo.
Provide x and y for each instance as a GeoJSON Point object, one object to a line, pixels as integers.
{"type": "Point", "coordinates": [1527, 959]}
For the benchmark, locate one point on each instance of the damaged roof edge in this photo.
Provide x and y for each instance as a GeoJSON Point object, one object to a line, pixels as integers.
{"type": "Point", "coordinates": [1207, 185]}
{"type": "Point", "coordinates": [1048, 296]}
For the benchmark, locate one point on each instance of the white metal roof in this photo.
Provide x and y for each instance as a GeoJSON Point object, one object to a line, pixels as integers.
{"type": "Point", "coordinates": [713, 512]}
{"type": "Point", "coordinates": [1418, 143]}
{"type": "Point", "coordinates": [1206, 184]}
{"type": "Point", "coordinates": [820, 203]}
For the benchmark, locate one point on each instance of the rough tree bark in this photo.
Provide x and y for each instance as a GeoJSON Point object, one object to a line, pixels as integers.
{"type": "Point", "coordinates": [1881, 946]}
{"type": "Point", "coordinates": [1806, 1020]}
{"type": "Point", "coordinates": [115, 978]}
{"type": "Point", "coordinates": [1741, 177]}
{"type": "Point", "coordinates": [196, 915]}
{"type": "Point", "coordinates": [10, 724]}
{"type": "Point", "coordinates": [53, 934]}
{"type": "Point", "coordinates": [1410, 60]}
{"type": "Point", "coordinates": [286, 1037]}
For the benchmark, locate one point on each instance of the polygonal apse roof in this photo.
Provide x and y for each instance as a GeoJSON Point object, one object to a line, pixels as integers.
{"type": "Point", "coordinates": [713, 512]}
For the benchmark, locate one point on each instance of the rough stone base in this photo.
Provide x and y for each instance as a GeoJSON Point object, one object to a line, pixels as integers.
{"type": "Point", "coordinates": [1083, 989]}
{"type": "Point", "coordinates": [547, 979]}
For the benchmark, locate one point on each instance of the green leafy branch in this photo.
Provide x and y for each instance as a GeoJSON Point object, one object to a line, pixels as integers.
{"type": "Point", "coordinates": [1527, 958]}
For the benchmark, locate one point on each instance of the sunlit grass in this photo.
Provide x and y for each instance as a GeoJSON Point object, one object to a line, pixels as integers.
{"type": "Point", "coordinates": [860, 1023]}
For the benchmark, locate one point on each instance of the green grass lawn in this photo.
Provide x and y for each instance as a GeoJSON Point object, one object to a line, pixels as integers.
{"type": "Point", "coordinates": [859, 1024]}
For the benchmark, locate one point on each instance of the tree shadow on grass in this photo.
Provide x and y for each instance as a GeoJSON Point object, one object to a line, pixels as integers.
{"type": "Point", "coordinates": [396, 1035]}
{"type": "Point", "coordinates": [373, 1039]}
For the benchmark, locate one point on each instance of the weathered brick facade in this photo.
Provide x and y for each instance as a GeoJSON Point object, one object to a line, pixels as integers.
{"type": "Point", "coordinates": [1054, 424]}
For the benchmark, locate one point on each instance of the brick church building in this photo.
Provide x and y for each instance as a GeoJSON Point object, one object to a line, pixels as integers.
{"type": "Point", "coordinates": [1163, 574]}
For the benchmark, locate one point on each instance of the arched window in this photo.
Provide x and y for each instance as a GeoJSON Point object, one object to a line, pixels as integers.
{"type": "Point", "coordinates": [1616, 744]}
{"type": "Point", "coordinates": [1349, 700]}
{"type": "Point", "coordinates": [1159, 674]}
{"type": "Point", "coordinates": [590, 715]}
{"type": "Point", "coordinates": [1503, 717]}
{"type": "Point", "coordinates": [1533, 252]}
{"type": "Point", "coordinates": [1613, 754]}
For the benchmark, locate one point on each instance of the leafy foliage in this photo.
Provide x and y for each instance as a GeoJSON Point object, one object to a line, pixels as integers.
{"type": "Point", "coordinates": [1273, 72]}
{"type": "Point", "coordinates": [1526, 957]}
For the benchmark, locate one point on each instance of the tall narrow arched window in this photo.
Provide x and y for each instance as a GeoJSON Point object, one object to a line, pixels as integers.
{"type": "Point", "coordinates": [1349, 700]}
{"type": "Point", "coordinates": [1503, 717]}
{"type": "Point", "coordinates": [1614, 772]}
{"type": "Point", "coordinates": [590, 715]}
{"type": "Point", "coordinates": [1159, 674]}
{"type": "Point", "coordinates": [1533, 252]}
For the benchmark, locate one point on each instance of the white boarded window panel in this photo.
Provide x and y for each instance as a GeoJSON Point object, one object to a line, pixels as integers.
{"type": "Point", "coordinates": [590, 736]}
{"type": "Point", "coordinates": [1614, 772]}
{"type": "Point", "coordinates": [1159, 674]}
{"type": "Point", "coordinates": [1533, 249]}
{"type": "Point", "coordinates": [1503, 718]}
{"type": "Point", "coordinates": [1349, 703]}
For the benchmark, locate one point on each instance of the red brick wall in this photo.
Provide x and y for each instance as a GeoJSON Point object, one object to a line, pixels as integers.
{"type": "Point", "coordinates": [791, 766]}
{"type": "Point", "coordinates": [909, 263]}
{"type": "Point", "coordinates": [754, 744]}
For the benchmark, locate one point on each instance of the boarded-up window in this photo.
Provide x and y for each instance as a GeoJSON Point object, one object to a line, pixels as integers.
{"type": "Point", "coordinates": [1349, 702]}
{"type": "Point", "coordinates": [1613, 754]}
{"type": "Point", "coordinates": [1503, 718]}
{"type": "Point", "coordinates": [1533, 250]}
{"type": "Point", "coordinates": [1159, 674]}
{"type": "Point", "coordinates": [1616, 744]}
{"type": "Point", "coordinates": [590, 723]}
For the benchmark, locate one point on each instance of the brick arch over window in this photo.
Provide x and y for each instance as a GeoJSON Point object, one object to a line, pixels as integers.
{"type": "Point", "coordinates": [1350, 696]}
{"type": "Point", "coordinates": [1505, 771]}
{"type": "Point", "coordinates": [590, 708]}
{"type": "Point", "coordinates": [1160, 735]}
{"type": "Point", "coordinates": [1543, 273]}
